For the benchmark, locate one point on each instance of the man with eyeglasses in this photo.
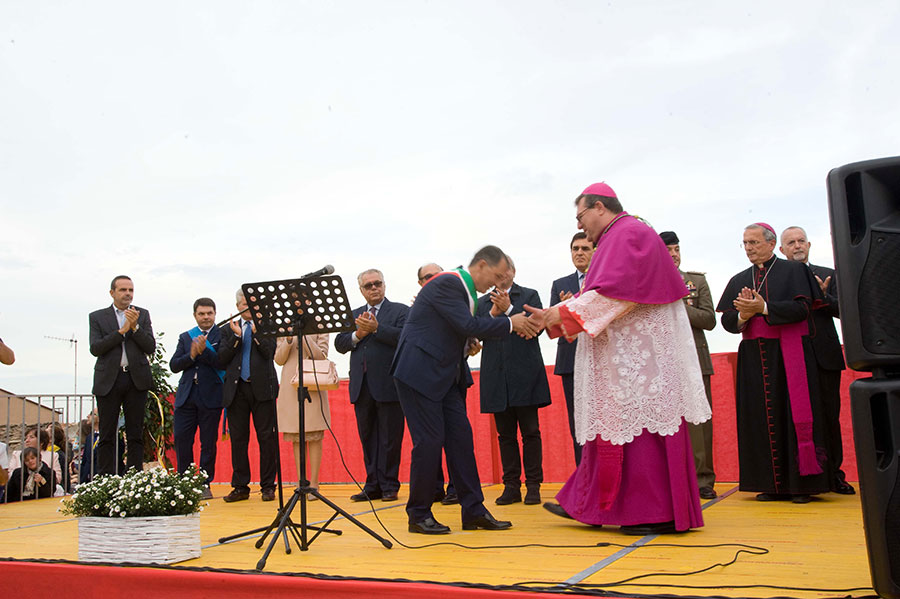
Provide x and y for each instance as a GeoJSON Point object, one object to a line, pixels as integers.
{"type": "Point", "coordinates": [637, 379]}
{"type": "Point", "coordinates": [562, 289]}
{"type": "Point", "coordinates": [782, 447]}
{"type": "Point", "coordinates": [379, 417]}
{"type": "Point", "coordinates": [827, 347]}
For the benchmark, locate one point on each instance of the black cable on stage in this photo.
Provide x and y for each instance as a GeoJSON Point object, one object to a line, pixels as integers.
{"type": "Point", "coordinates": [580, 588]}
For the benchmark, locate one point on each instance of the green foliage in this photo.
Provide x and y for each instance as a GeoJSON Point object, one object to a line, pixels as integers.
{"type": "Point", "coordinates": [156, 492]}
{"type": "Point", "coordinates": [158, 429]}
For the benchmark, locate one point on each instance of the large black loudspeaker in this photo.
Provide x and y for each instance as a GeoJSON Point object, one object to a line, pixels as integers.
{"type": "Point", "coordinates": [864, 205]}
{"type": "Point", "coordinates": [875, 408]}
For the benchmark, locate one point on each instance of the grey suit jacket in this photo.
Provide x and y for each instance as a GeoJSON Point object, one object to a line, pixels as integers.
{"type": "Point", "coordinates": [106, 344]}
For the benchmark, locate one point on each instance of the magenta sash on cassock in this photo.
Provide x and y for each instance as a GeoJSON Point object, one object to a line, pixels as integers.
{"type": "Point", "coordinates": [791, 338]}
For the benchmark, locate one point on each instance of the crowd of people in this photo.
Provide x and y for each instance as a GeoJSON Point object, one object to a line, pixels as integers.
{"type": "Point", "coordinates": [632, 357]}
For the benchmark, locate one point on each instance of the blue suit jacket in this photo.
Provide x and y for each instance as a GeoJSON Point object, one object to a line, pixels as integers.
{"type": "Point", "coordinates": [375, 351]}
{"type": "Point", "coordinates": [204, 366]}
{"type": "Point", "coordinates": [431, 355]}
{"type": "Point", "coordinates": [512, 368]}
{"type": "Point", "coordinates": [565, 351]}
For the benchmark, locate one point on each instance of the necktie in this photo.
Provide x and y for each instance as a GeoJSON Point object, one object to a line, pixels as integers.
{"type": "Point", "coordinates": [373, 311]}
{"type": "Point", "coordinates": [247, 338]}
{"type": "Point", "coordinates": [580, 280]}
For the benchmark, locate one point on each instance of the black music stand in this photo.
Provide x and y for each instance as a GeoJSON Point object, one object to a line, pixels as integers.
{"type": "Point", "coordinates": [304, 306]}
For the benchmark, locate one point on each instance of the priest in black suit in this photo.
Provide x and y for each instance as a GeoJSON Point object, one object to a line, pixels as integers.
{"type": "Point", "coordinates": [121, 338]}
{"type": "Point", "coordinates": [582, 250]}
{"type": "Point", "coordinates": [827, 347]}
{"type": "Point", "coordinates": [513, 386]}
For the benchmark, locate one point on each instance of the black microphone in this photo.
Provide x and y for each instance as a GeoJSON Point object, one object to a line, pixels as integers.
{"type": "Point", "coordinates": [325, 270]}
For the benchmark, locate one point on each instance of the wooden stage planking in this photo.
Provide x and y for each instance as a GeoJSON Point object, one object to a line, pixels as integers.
{"type": "Point", "coordinates": [820, 544]}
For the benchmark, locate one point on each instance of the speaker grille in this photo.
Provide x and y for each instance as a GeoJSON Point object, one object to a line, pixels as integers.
{"type": "Point", "coordinates": [879, 285]}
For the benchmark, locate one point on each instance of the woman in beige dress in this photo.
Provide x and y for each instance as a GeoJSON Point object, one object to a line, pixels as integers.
{"type": "Point", "coordinates": [317, 414]}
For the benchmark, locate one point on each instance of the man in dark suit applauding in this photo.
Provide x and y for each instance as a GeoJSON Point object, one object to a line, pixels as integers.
{"type": "Point", "coordinates": [251, 386]}
{"type": "Point", "coordinates": [121, 339]}
{"type": "Point", "coordinates": [827, 348]}
{"type": "Point", "coordinates": [432, 376]}
{"type": "Point", "coordinates": [562, 289]}
{"type": "Point", "coordinates": [379, 417]}
{"type": "Point", "coordinates": [513, 387]}
{"type": "Point", "coordinates": [198, 400]}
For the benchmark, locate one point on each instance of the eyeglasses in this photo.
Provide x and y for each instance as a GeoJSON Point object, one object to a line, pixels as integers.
{"type": "Point", "coordinates": [427, 277]}
{"type": "Point", "coordinates": [373, 285]}
{"type": "Point", "coordinates": [580, 214]}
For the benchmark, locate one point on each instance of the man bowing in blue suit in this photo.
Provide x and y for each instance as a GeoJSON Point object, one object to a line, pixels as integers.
{"type": "Point", "coordinates": [432, 376]}
{"type": "Point", "coordinates": [198, 400]}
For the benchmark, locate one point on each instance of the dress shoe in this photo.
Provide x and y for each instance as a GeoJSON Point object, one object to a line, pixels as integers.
{"type": "Point", "coordinates": [389, 496]}
{"type": "Point", "coordinates": [236, 495]}
{"type": "Point", "coordinates": [486, 522]}
{"type": "Point", "coordinates": [843, 487]}
{"type": "Point", "coordinates": [772, 497]}
{"type": "Point", "coordinates": [450, 499]}
{"type": "Point", "coordinates": [438, 496]}
{"type": "Point", "coordinates": [708, 493]}
{"type": "Point", "coordinates": [207, 494]}
{"type": "Point", "coordinates": [366, 496]}
{"type": "Point", "coordinates": [801, 498]}
{"type": "Point", "coordinates": [658, 528]}
{"type": "Point", "coordinates": [510, 495]}
{"type": "Point", "coordinates": [268, 494]}
{"type": "Point", "coordinates": [555, 508]}
{"type": "Point", "coordinates": [428, 526]}
{"type": "Point", "coordinates": [533, 495]}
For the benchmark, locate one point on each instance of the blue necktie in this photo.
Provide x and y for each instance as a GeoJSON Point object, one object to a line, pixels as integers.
{"type": "Point", "coordinates": [245, 352]}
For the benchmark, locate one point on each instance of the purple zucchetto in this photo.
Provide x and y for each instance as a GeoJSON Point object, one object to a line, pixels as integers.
{"type": "Point", "coordinates": [599, 189]}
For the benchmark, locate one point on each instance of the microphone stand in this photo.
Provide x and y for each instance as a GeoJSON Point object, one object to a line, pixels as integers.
{"type": "Point", "coordinates": [305, 306]}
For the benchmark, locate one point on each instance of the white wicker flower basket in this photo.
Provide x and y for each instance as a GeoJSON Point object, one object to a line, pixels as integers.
{"type": "Point", "coordinates": [149, 540]}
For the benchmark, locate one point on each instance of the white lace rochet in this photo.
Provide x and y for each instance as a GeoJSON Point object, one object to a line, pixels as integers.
{"type": "Point", "coordinates": [636, 368]}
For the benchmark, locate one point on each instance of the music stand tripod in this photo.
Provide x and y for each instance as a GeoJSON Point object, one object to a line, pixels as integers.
{"type": "Point", "coordinates": [297, 307]}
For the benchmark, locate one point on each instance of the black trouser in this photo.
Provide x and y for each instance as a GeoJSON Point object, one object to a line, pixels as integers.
{"type": "Point", "coordinates": [568, 383]}
{"type": "Point", "coordinates": [380, 426]}
{"type": "Point", "coordinates": [830, 390]}
{"type": "Point", "coordinates": [190, 416]}
{"type": "Point", "coordinates": [242, 407]}
{"type": "Point", "coordinates": [434, 425]}
{"type": "Point", "coordinates": [124, 395]}
{"type": "Point", "coordinates": [525, 418]}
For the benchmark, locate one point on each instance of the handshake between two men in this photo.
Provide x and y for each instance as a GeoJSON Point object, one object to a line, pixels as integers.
{"type": "Point", "coordinates": [526, 324]}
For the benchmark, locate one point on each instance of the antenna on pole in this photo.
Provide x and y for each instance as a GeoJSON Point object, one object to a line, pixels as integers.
{"type": "Point", "coordinates": [74, 343]}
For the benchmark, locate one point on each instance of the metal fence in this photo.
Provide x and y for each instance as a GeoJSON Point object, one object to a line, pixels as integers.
{"type": "Point", "coordinates": [64, 430]}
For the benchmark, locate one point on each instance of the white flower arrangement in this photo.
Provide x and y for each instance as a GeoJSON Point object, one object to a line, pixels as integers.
{"type": "Point", "coordinates": [156, 492]}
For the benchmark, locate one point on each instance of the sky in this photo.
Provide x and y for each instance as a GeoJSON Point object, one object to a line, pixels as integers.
{"type": "Point", "coordinates": [198, 146]}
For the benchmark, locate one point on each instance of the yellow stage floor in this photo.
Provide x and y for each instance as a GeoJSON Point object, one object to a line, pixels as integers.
{"type": "Point", "coordinates": [817, 545]}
